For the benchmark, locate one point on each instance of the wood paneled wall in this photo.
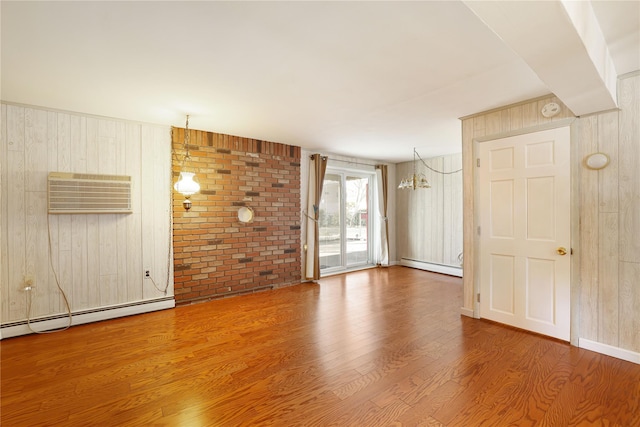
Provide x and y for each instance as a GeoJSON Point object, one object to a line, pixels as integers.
{"type": "Point", "coordinates": [430, 230]}
{"type": "Point", "coordinates": [98, 258]}
{"type": "Point", "coordinates": [605, 212]}
{"type": "Point", "coordinates": [609, 235]}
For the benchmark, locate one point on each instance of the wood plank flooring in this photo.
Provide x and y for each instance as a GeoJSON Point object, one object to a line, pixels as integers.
{"type": "Point", "coordinates": [380, 347]}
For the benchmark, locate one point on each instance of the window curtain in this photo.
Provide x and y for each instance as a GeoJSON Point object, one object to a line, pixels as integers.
{"type": "Point", "coordinates": [317, 168]}
{"type": "Point", "coordinates": [383, 225]}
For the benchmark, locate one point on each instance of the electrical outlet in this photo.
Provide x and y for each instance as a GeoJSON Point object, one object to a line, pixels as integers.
{"type": "Point", "coordinates": [27, 283]}
{"type": "Point", "coordinates": [147, 274]}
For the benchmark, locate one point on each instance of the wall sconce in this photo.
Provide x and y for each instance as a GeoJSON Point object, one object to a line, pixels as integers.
{"type": "Point", "coordinates": [596, 161]}
{"type": "Point", "coordinates": [186, 184]}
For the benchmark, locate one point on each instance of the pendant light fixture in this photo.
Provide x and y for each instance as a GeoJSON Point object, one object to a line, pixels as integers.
{"type": "Point", "coordinates": [417, 180]}
{"type": "Point", "coordinates": [186, 184]}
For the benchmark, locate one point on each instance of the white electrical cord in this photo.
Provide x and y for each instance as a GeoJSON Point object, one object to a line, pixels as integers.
{"type": "Point", "coordinates": [164, 291]}
{"type": "Point", "coordinates": [148, 276]}
{"type": "Point", "coordinates": [29, 290]}
{"type": "Point", "coordinates": [166, 287]}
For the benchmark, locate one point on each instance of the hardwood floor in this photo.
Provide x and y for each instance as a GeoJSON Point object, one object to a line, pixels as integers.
{"type": "Point", "coordinates": [380, 347]}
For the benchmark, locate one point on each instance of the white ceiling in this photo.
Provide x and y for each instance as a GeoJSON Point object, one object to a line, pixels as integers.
{"type": "Point", "coordinates": [364, 79]}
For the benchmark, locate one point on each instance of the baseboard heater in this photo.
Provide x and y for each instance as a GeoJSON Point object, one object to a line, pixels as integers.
{"type": "Point", "coordinates": [451, 270]}
{"type": "Point", "coordinates": [14, 329]}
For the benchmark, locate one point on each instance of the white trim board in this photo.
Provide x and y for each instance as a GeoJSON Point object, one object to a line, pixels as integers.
{"type": "Point", "coordinates": [609, 350]}
{"type": "Point", "coordinates": [466, 312]}
{"type": "Point", "coordinates": [21, 328]}
{"type": "Point", "coordinates": [429, 266]}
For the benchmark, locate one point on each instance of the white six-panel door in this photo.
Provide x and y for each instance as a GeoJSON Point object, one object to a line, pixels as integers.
{"type": "Point", "coordinates": [524, 189]}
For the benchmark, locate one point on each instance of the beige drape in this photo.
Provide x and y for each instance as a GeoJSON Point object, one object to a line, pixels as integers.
{"type": "Point", "coordinates": [317, 168]}
{"type": "Point", "coordinates": [383, 231]}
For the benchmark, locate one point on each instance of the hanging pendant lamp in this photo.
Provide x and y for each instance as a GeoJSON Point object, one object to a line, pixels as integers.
{"type": "Point", "coordinates": [186, 185]}
{"type": "Point", "coordinates": [416, 180]}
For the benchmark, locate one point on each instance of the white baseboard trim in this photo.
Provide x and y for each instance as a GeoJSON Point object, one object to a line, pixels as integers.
{"type": "Point", "coordinates": [609, 350]}
{"type": "Point", "coordinates": [15, 329]}
{"type": "Point", "coordinates": [466, 312]}
{"type": "Point", "coordinates": [429, 266]}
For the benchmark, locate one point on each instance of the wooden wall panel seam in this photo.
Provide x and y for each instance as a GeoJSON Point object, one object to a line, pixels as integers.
{"type": "Point", "coordinates": [44, 141]}
{"type": "Point", "coordinates": [607, 211]}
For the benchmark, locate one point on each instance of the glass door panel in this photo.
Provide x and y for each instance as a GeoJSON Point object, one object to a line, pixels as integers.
{"type": "Point", "coordinates": [344, 221]}
{"type": "Point", "coordinates": [330, 222]}
{"type": "Point", "coordinates": [356, 219]}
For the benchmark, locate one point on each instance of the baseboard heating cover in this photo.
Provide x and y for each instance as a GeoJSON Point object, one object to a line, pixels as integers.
{"type": "Point", "coordinates": [609, 350]}
{"type": "Point", "coordinates": [451, 270]}
{"type": "Point", "coordinates": [14, 329]}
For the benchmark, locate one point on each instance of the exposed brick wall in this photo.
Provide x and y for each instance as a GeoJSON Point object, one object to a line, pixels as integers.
{"type": "Point", "coordinates": [214, 253]}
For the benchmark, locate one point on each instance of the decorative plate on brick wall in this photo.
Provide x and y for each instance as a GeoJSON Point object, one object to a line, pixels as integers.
{"type": "Point", "coordinates": [245, 214]}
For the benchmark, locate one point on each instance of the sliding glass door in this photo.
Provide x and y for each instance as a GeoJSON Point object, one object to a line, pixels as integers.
{"type": "Point", "coordinates": [344, 220]}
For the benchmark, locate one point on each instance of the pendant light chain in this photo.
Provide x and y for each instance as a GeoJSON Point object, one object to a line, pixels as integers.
{"type": "Point", "coordinates": [187, 139]}
{"type": "Point", "coordinates": [419, 180]}
{"type": "Point", "coordinates": [186, 184]}
{"type": "Point", "coordinates": [430, 168]}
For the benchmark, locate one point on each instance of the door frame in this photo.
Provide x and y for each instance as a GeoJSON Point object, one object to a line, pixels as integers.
{"type": "Point", "coordinates": [371, 203]}
{"type": "Point", "coordinates": [574, 217]}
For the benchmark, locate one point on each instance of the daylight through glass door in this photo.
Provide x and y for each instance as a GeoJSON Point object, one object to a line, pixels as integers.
{"type": "Point", "coordinates": [344, 221]}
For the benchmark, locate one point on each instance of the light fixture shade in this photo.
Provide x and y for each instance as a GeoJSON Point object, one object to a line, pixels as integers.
{"type": "Point", "coordinates": [414, 182]}
{"type": "Point", "coordinates": [186, 185]}
{"type": "Point", "coordinates": [420, 181]}
{"type": "Point", "coordinates": [406, 183]}
{"type": "Point", "coordinates": [596, 161]}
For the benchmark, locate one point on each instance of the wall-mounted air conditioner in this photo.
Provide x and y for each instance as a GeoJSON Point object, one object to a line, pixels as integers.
{"type": "Point", "coordinates": [77, 193]}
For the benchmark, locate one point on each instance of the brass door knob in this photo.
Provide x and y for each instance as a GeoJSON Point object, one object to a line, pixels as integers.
{"type": "Point", "coordinates": [561, 251]}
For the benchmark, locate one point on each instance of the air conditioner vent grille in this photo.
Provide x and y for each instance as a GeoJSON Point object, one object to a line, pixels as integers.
{"type": "Point", "coordinates": [88, 193]}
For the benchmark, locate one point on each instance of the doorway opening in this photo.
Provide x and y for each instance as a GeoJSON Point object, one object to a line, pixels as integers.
{"type": "Point", "coordinates": [524, 231]}
{"type": "Point", "coordinates": [344, 220]}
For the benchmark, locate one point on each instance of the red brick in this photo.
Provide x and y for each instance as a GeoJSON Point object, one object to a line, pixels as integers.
{"type": "Point", "coordinates": [212, 270]}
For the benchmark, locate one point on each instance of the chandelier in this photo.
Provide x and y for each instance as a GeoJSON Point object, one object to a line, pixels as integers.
{"type": "Point", "coordinates": [416, 180]}
{"type": "Point", "coordinates": [186, 185]}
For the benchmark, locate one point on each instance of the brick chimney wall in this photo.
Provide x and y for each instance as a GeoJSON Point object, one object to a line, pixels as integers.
{"type": "Point", "coordinates": [215, 254]}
